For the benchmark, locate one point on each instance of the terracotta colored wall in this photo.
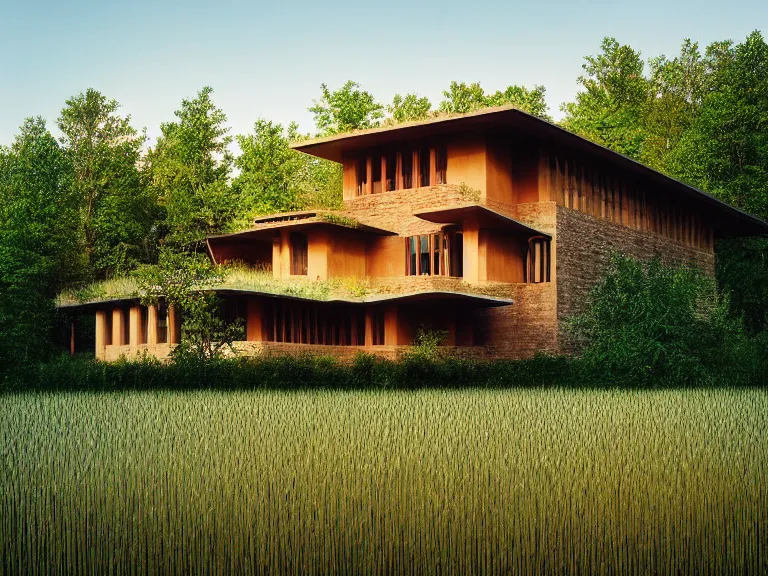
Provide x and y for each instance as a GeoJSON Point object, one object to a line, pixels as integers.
{"type": "Point", "coordinates": [499, 173]}
{"type": "Point", "coordinates": [525, 175]}
{"type": "Point", "coordinates": [347, 254]}
{"type": "Point", "coordinates": [318, 249]}
{"type": "Point", "coordinates": [386, 256]}
{"type": "Point", "coordinates": [467, 163]}
{"type": "Point", "coordinates": [502, 255]}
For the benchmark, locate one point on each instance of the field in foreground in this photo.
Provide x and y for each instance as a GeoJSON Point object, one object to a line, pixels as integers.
{"type": "Point", "coordinates": [530, 481]}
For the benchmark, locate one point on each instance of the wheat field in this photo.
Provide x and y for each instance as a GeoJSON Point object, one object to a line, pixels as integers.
{"type": "Point", "coordinates": [427, 482]}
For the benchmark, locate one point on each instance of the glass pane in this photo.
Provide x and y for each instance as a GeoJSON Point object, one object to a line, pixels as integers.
{"type": "Point", "coordinates": [412, 255]}
{"type": "Point", "coordinates": [424, 252]}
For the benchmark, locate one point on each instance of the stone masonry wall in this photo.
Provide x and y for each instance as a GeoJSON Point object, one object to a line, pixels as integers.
{"type": "Point", "coordinates": [584, 247]}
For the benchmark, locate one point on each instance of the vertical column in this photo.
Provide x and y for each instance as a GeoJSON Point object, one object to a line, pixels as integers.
{"type": "Point", "coordinates": [101, 334]}
{"type": "Point", "coordinates": [118, 327]}
{"type": "Point", "coordinates": [390, 326]}
{"type": "Point", "coordinates": [254, 326]}
{"type": "Point", "coordinates": [369, 175]}
{"type": "Point", "coordinates": [134, 327]}
{"type": "Point", "coordinates": [471, 254]}
{"type": "Point", "coordinates": [277, 260]}
{"type": "Point", "coordinates": [368, 327]}
{"type": "Point", "coordinates": [433, 166]}
{"type": "Point", "coordinates": [384, 173]}
{"type": "Point", "coordinates": [72, 338]}
{"type": "Point", "coordinates": [152, 325]}
{"type": "Point", "coordinates": [399, 172]}
{"type": "Point", "coordinates": [174, 326]}
{"type": "Point", "coordinates": [415, 175]}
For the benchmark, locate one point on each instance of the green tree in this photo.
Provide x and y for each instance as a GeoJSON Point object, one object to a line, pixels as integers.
{"type": "Point", "coordinates": [609, 110]}
{"type": "Point", "coordinates": [184, 281]}
{"type": "Point", "coordinates": [346, 109]}
{"type": "Point", "coordinates": [190, 168]}
{"type": "Point", "coordinates": [409, 108]}
{"type": "Point", "coordinates": [39, 244]}
{"type": "Point", "coordinates": [677, 86]}
{"type": "Point", "coordinates": [275, 178]}
{"type": "Point", "coordinates": [118, 210]}
{"type": "Point", "coordinates": [461, 98]}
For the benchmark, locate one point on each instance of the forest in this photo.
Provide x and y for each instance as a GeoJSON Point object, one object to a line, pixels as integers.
{"type": "Point", "coordinates": [101, 203]}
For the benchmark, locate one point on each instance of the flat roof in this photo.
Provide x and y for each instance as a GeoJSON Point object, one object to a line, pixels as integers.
{"type": "Point", "coordinates": [429, 295]}
{"type": "Point", "coordinates": [486, 217]}
{"type": "Point", "coordinates": [506, 118]}
{"type": "Point", "coordinates": [264, 227]}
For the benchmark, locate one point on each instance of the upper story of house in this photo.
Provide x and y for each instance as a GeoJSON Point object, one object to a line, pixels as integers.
{"type": "Point", "coordinates": [473, 197]}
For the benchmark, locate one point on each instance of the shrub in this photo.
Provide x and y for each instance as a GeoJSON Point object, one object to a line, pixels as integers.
{"type": "Point", "coordinates": [658, 324]}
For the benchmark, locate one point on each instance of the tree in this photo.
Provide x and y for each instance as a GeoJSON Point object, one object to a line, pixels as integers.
{"type": "Point", "coordinates": [275, 178]}
{"type": "Point", "coordinates": [609, 109]}
{"type": "Point", "coordinates": [409, 108]}
{"type": "Point", "coordinates": [184, 281]}
{"type": "Point", "coordinates": [39, 245]}
{"type": "Point", "coordinates": [117, 209]}
{"type": "Point", "coordinates": [346, 109]}
{"type": "Point", "coordinates": [676, 90]}
{"type": "Point", "coordinates": [190, 168]}
{"type": "Point", "coordinates": [461, 98]}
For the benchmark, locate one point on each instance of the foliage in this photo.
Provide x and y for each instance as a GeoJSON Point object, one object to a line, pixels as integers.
{"type": "Point", "coordinates": [469, 193]}
{"type": "Point", "coordinates": [183, 282]}
{"type": "Point", "coordinates": [346, 109]}
{"type": "Point", "coordinates": [656, 324]}
{"type": "Point", "coordinates": [339, 219]}
{"type": "Point", "coordinates": [275, 178]}
{"type": "Point", "coordinates": [190, 167]}
{"type": "Point", "coordinates": [39, 245]}
{"type": "Point", "coordinates": [427, 345]}
{"type": "Point", "coordinates": [117, 209]}
{"type": "Point", "coordinates": [408, 108]}
{"type": "Point", "coordinates": [609, 110]}
{"type": "Point", "coordinates": [461, 98]}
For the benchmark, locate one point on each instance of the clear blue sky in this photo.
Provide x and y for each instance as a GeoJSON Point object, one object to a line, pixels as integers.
{"type": "Point", "coordinates": [267, 59]}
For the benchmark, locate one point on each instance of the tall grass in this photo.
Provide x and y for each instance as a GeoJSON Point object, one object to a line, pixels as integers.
{"type": "Point", "coordinates": [321, 482]}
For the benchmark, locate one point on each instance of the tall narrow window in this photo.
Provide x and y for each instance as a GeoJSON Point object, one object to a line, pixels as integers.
{"type": "Point", "coordinates": [424, 166]}
{"type": "Point", "coordinates": [424, 255]}
{"type": "Point", "coordinates": [162, 323]}
{"type": "Point", "coordinates": [538, 261]}
{"type": "Point", "coordinates": [377, 326]}
{"type": "Point", "coordinates": [410, 253]}
{"type": "Point", "coordinates": [407, 169]}
{"type": "Point", "coordinates": [298, 254]}
{"type": "Point", "coordinates": [442, 164]}
{"type": "Point", "coordinates": [361, 173]}
{"type": "Point", "coordinates": [391, 175]}
{"type": "Point", "coordinates": [457, 255]}
{"type": "Point", "coordinates": [144, 332]}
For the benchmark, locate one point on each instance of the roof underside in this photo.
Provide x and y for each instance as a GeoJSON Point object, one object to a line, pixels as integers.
{"type": "Point", "coordinates": [484, 216]}
{"type": "Point", "coordinates": [494, 121]}
{"type": "Point", "coordinates": [264, 229]}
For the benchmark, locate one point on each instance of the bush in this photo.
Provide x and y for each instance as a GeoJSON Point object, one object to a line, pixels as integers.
{"type": "Point", "coordinates": [656, 324]}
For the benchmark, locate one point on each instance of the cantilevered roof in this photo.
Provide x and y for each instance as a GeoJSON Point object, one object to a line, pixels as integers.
{"type": "Point", "coordinates": [264, 228]}
{"type": "Point", "coordinates": [505, 119]}
{"type": "Point", "coordinates": [484, 216]}
{"type": "Point", "coordinates": [479, 300]}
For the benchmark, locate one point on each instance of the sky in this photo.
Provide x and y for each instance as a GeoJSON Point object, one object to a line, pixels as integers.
{"type": "Point", "coordinates": [268, 59]}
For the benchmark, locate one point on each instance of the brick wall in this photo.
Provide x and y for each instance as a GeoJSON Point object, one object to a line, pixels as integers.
{"type": "Point", "coordinates": [584, 245]}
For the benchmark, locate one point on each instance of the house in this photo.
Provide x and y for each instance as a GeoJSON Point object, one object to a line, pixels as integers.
{"type": "Point", "coordinates": [490, 227]}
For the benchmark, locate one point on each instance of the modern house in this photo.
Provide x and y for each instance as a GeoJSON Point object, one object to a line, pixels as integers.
{"type": "Point", "coordinates": [490, 227]}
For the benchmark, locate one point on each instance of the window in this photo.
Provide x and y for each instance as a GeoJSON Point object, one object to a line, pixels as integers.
{"type": "Point", "coordinates": [297, 323]}
{"type": "Point", "coordinates": [377, 326]}
{"type": "Point", "coordinates": [162, 323]}
{"type": "Point", "coordinates": [439, 254]}
{"type": "Point", "coordinates": [144, 332]}
{"type": "Point", "coordinates": [361, 173]}
{"type": "Point", "coordinates": [407, 169]}
{"type": "Point", "coordinates": [298, 254]}
{"type": "Point", "coordinates": [391, 175]}
{"type": "Point", "coordinates": [537, 267]}
{"type": "Point", "coordinates": [424, 169]}
{"type": "Point", "coordinates": [441, 165]}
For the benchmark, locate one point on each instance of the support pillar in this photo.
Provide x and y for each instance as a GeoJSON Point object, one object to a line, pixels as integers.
{"type": "Point", "coordinates": [118, 327]}
{"type": "Point", "coordinates": [390, 326]}
{"type": "Point", "coordinates": [152, 325]}
{"type": "Point", "coordinates": [135, 328]}
{"type": "Point", "coordinates": [433, 166]}
{"type": "Point", "coordinates": [368, 327]}
{"type": "Point", "coordinates": [101, 334]}
{"type": "Point", "coordinates": [174, 326]}
{"type": "Point", "coordinates": [254, 325]}
{"type": "Point", "coordinates": [72, 338]}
